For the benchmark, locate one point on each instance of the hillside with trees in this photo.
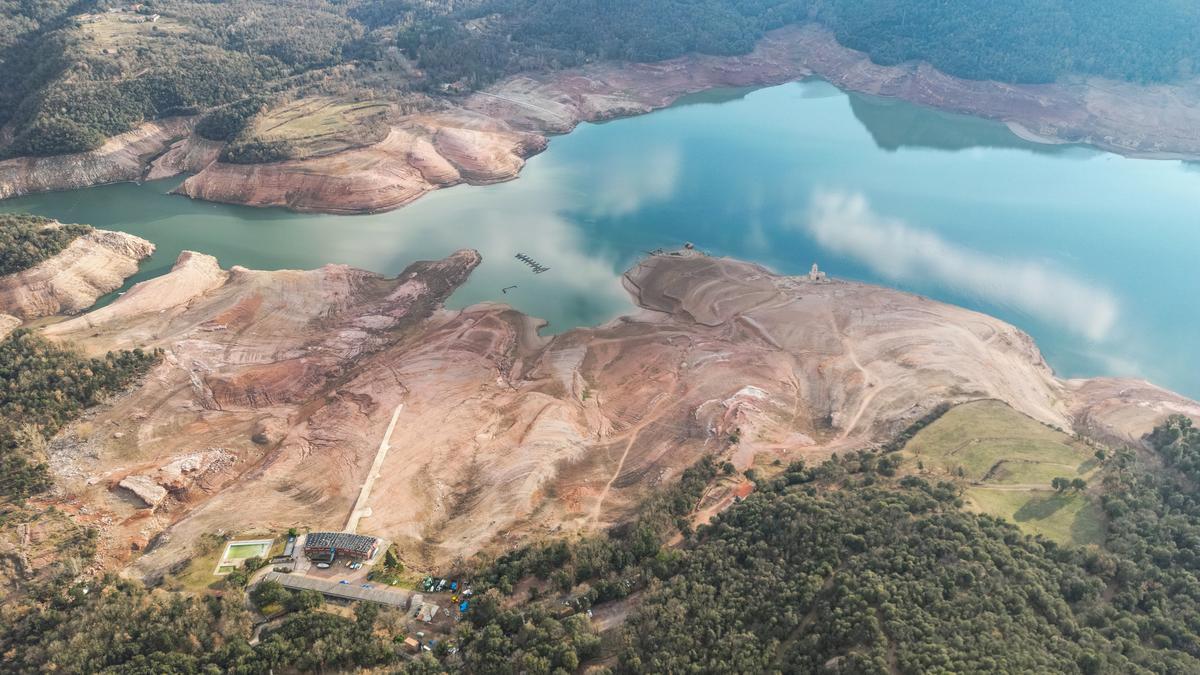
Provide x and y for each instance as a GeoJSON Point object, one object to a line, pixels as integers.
{"type": "Point", "coordinates": [27, 240]}
{"type": "Point", "coordinates": [43, 387]}
{"type": "Point", "coordinates": [75, 73]}
{"type": "Point", "coordinates": [847, 567]}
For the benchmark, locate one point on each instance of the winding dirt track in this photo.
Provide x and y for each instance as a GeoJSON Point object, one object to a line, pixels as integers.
{"type": "Point", "coordinates": [868, 381]}
{"type": "Point", "coordinates": [649, 418]}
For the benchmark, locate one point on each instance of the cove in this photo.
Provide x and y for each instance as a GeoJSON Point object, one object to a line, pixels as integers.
{"type": "Point", "coordinates": [1092, 253]}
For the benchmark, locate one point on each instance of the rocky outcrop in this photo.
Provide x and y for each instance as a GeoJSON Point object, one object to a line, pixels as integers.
{"type": "Point", "coordinates": [190, 155]}
{"type": "Point", "coordinates": [144, 488]}
{"type": "Point", "coordinates": [8, 324]}
{"type": "Point", "coordinates": [180, 474]}
{"type": "Point", "coordinates": [423, 154]}
{"type": "Point", "coordinates": [89, 267]}
{"type": "Point", "coordinates": [499, 434]}
{"type": "Point", "coordinates": [121, 158]}
{"type": "Point", "coordinates": [176, 477]}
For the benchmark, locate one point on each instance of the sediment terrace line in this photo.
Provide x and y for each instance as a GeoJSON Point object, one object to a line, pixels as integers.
{"type": "Point", "coordinates": [526, 104]}
{"type": "Point", "coordinates": [633, 436]}
{"type": "Point", "coordinates": [360, 507]}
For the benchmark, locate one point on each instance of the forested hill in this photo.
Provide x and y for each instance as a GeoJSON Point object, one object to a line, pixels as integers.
{"type": "Point", "coordinates": [73, 73]}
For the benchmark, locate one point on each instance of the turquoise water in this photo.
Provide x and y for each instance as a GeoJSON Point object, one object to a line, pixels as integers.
{"type": "Point", "coordinates": [1092, 253]}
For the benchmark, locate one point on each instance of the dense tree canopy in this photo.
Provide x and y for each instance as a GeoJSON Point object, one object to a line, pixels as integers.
{"type": "Point", "coordinates": [847, 568]}
{"type": "Point", "coordinates": [72, 75]}
{"type": "Point", "coordinates": [839, 568]}
{"type": "Point", "coordinates": [117, 626]}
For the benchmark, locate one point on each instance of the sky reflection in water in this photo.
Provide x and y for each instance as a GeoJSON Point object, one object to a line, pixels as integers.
{"type": "Point", "coordinates": [1091, 253]}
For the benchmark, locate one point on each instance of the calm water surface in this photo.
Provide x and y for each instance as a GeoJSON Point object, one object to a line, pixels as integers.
{"type": "Point", "coordinates": [1092, 253]}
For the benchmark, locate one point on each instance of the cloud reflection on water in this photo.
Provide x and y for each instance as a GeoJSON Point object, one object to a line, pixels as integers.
{"type": "Point", "coordinates": [846, 224]}
{"type": "Point", "coordinates": [623, 185]}
{"type": "Point", "coordinates": [527, 216]}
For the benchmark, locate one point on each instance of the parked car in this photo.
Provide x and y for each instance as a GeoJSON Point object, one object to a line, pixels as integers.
{"type": "Point", "coordinates": [322, 566]}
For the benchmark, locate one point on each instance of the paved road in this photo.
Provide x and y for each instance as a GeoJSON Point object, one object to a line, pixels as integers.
{"type": "Point", "coordinates": [360, 507]}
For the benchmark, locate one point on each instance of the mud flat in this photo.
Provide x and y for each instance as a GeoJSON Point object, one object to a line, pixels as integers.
{"type": "Point", "coordinates": [92, 265]}
{"type": "Point", "coordinates": [505, 435]}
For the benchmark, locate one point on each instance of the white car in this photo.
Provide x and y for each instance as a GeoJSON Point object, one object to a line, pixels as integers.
{"type": "Point", "coordinates": [322, 566]}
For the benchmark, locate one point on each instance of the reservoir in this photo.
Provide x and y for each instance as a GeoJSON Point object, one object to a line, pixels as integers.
{"type": "Point", "coordinates": [1093, 254]}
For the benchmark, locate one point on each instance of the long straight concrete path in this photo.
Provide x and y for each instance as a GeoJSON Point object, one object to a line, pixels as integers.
{"type": "Point", "coordinates": [360, 507]}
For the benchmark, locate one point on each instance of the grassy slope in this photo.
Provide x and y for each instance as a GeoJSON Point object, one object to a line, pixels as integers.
{"type": "Point", "coordinates": [111, 34]}
{"type": "Point", "coordinates": [321, 125]}
{"type": "Point", "coordinates": [1009, 460]}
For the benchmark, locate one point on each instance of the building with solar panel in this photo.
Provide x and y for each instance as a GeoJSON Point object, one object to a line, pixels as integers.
{"type": "Point", "coordinates": [328, 546]}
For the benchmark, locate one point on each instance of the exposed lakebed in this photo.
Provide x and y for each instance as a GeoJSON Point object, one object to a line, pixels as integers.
{"type": "Point", "coordinates": [1092, 253]}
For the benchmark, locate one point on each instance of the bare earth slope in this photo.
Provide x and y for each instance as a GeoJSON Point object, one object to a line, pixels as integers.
{"type": "Point", "coordinates": [421, 155]}
{"type": "Point", "coordinates": [121, 158]}
{"type": "Point", "coordinates": [291, 378]}
{"type": "Point", "coordinates": [8, 323]}
{"type": "Point", "coordinates": [89, 267]}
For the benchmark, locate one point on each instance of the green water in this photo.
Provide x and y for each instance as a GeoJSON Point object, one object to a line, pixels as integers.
{"type": "Point", "coordinates": [1092, 253]}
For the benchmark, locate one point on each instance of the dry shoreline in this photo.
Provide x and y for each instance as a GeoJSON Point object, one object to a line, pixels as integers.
{"type": "Point", "coordinates": [486, 137]}
{"type": "Point", "coordinates": [70, 282]}
{"type": "Point", "coordinates": [506, 435]}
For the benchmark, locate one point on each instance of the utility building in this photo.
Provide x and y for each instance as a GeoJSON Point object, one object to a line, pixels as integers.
{"type": "Point", "coordinates": [326, 546]}
{"type": "Point", "coordinates": [340, 591]}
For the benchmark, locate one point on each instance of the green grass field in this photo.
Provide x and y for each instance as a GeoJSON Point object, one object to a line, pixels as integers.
{"type": "Point", "coordinates": [1008, 460]}
{"type": "Point", "coordinates": [125, 31]}
{"type": "Point", "coordinates": [1064, 518]}
{"type": "Point", "coordinates": [322, 125]}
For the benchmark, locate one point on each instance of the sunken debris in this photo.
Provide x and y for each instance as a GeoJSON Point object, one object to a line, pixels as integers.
{"type": "Point", "coordinates": [536, 266]}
